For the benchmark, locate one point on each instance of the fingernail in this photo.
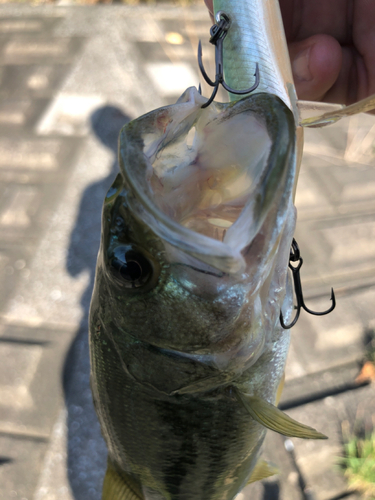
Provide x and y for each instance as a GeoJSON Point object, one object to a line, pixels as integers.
{"type": "Point", "coordinates": [300, 66]}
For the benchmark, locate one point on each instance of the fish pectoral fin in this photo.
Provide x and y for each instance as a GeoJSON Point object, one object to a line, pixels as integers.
{"type": "Point", "coordinates": [332, 115]}
{"type": "Point", "coordinates": [271, 417]}
{"type": "Point", "coordinates": [262, 470]}
{"type": "Point", "coordinates": [116, 487]}
{"type": "Point", "coordinates": [280, 389]}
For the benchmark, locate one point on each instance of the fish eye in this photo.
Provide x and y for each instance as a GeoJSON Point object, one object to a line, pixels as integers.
{"type": "Point", "coordinates": [130, 266]}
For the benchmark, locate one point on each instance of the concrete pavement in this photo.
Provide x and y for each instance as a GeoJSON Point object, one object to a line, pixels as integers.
{"type": "Point", "coordinates": [70, 77]}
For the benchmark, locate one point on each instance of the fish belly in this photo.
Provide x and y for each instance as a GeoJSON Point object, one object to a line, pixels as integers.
{"type": "Point", "coordinates": [183, 447]}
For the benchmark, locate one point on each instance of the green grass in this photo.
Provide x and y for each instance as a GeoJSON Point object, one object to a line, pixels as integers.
{"type": "Point", "coordinates": [359, 464]}
{"type": "Point", "coordinates": [370, 346]}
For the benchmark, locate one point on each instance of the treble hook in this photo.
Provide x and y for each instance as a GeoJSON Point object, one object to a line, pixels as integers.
{"type": "Point", "coordinates": [294, 257]}
{"type": "Point", "coordinates": [218, 33]}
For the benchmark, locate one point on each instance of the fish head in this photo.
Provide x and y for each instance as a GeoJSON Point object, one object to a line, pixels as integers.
{"type": "Point", "coordinates": [197, 229]}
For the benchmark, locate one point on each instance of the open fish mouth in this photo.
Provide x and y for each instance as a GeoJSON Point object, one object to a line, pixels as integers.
{"type": "Point", "coordinates": [207, 180]}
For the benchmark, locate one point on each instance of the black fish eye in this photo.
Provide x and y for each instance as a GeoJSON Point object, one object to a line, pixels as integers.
{"type": "Point", "coordinates": [130, 266]}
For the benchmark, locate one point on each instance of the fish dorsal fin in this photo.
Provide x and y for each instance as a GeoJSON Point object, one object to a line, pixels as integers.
{"type": "Point", "coordinates": [271, 417]}
{"type": "Point", "coordinates": [332, 112]}
{"type": "Point", "coordinates": [116, 487]}
{"type": "Point", "coordinates": [262, 470]}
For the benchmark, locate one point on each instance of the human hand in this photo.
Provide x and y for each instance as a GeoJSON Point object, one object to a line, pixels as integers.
{"type": "Point", "coordinates": [331, 46]}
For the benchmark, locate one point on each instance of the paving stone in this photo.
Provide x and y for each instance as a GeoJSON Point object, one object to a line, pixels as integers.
{"type": "Point", "coordinates": [14, 262]}
{"type": "Point", "coordinates": [129, 86]}
{"type": "Point", "coordinates": [335, 206]}
{"type": "Point", "coordinates": [53, 483]}
{"type": "Point", "coordinates": [151, 51]}
{"type": "Point", "coordinates": [19, 207]}
{"type": "Point", "coordinates": [341, 200]}
{"type": "Point", "coordinates": [200, 27]}
{"type": "Point", "coordinates": [17, 114]}
{"type": "Point", "coordinates": [76, 435]}
{"type": "Point", "coordinates": [172, 79]}
{"type": "Point", "coordinates": [69, 115]}
{"type": "Point", "coordinates": [24, 50]}
{"type": "Point", "coordinates": [319, 384]}
{"type": "Point", "coordinates": [166, 52]}
{"type": "Point", "coordinates": [310, 201]}
{"type": "Point", "coordinates": [14, 113]}
{"type": "Point", "coordinates": [184, 52]}
{"type": "Point", "coordinates": [337, 252]}
{"type": "Point", "coordinates": [17, 372]}
{"type": "Point", "coordinates": [33, 81]}
{"type": "Point", "coordinates": [36, 160]}
{"type": "Point", "coordinates": [12, 25]}
{"type": "Point", "coordinates": [349, 140]}
{"type": "Point", "coordinates": [19, 51]}
{"type": "Point", "coordinates": [320, 343]}
{"type": "Point", "coordinates": [29, 154]}
{"type": "Point", "coordinates": [351, 184]}
{"type": "Point", "coordinates": [337, 175]}
{"type": "Point", "coordinates": [318, 460]}
{"type": "Point", "coordinates": [43, 78]}
{"type": "Point", "coordinates": [31, 370]}
{"type": "Point", "coordinates": [24, 211]}
{"type": "Point", "coordinates": [19, 474]}
{"type": "Point", "coordinates": [340, 158]}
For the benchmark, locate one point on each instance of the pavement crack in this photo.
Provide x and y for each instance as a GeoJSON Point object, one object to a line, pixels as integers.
{"type": "Point", "coordinates": [317, 396]}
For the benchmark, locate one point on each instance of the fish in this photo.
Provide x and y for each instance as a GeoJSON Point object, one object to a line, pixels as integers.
{"type": "Point", "coordinates": [186, 347]}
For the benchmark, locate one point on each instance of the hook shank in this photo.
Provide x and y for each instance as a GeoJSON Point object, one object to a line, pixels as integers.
{"type": "Point", "coordinates": [218, 33]}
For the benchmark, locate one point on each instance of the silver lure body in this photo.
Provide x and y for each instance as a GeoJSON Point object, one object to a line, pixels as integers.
{"type": "Point", "coordinates": [256, 35]}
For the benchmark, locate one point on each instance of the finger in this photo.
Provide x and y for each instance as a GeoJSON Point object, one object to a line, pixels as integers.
{"type": "Point", "coordinates": [316, 64]}
{"type": "Point", "coordinates": [210, 7]}
{"type": "Point", "coordinates": [306, 18]}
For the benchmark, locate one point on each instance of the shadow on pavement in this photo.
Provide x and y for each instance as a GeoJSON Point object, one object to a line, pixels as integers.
{"type": "Point", "coordinates": [86, 451]}
{"type": "Point", "coordinates": [271, 491]}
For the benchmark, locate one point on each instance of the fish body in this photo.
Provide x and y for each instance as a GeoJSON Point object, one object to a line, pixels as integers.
{"type": "Point", "coordinates": [170, 348]}
{"type": "Point", "coordinates": [186, 346]}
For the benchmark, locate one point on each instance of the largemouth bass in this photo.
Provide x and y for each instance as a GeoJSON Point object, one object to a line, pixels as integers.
{"type": "Point", "coordinates": [187, 349]}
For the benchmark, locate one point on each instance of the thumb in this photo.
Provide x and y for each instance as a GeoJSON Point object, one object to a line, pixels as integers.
{"type": "Point", "coordinates": [210, 7]}
{"type": "Point", "coordinates": [316, 64]}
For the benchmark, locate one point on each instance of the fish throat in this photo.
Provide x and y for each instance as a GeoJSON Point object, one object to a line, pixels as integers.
{"type": "Point", "coordinates": [205, 179]}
